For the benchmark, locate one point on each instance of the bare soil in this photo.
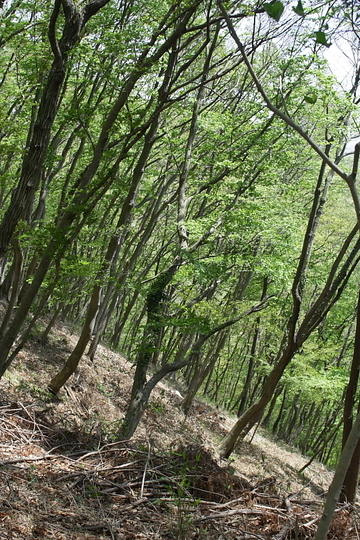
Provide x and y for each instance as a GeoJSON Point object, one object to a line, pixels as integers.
{"type": "Point", "coordinates": [65, 476]}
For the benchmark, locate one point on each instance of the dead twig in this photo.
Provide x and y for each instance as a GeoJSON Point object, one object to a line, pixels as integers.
{"type": "Point", "coordinates": [145, 469]}
{"type": "Point", "coordinates": [246, 511]}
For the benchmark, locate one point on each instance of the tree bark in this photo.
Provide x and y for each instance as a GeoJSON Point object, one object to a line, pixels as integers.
{"type": "Point", "coordinates": [338, 480]}
{"type": "Point", "coordinates": [17, 265]}
{"type": "Point", "coordinates": [348, 492]}
{"type": "Point", "coordinates": [39, 136]}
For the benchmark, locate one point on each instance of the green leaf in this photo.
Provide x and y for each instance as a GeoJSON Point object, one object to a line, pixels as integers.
{"type": "Point", "coordinates": [311, 97]}
{"type": "Point", "coordinates": [321, 38]}
{"type": "Point", "coordinates": [275, 10]}
{"type": "Point", "coordinates": [299, 10]}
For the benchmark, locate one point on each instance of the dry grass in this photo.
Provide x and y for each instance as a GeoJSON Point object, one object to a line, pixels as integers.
{"type": "Point", "coordinates": [64, 476]}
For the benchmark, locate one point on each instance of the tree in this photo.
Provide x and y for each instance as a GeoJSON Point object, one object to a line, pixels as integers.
{"type": "Point", "coordinates": [175, 188]}
{"type": "Point", "coordinates": [331, 291]}
{"type": "Point", "coordinates": [39, 134]}
{"type": "Point", "coordinates": [85, 195]}
{"type": "Point", "coordinates": [338, 480]}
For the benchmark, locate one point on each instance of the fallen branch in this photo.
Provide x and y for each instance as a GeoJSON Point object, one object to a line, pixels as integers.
{"type": "Point", "coordinates": [248, 511]}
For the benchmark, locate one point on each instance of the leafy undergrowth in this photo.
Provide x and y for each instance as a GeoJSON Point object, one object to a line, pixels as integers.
{"type": "Point", "coordinates": [65, 476]}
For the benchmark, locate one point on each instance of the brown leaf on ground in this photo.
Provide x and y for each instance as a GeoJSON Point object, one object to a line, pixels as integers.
{"type": "Point", "coordinates": [64, 476]}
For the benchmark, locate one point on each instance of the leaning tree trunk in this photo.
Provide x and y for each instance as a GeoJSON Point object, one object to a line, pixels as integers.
{"type": "Point", "coordinates": [338, 480]}
{"type": "Point", "coordinates": [16, 274]}
{"type": "Point", "coordinates": [351, 480]}
{"type": "Point", "coordinates": [72, 362]}
{"type": "Point", "coordinates": [141, 389]}
{"type": "Point", "coordinates": [199, 375]}
{"type": "Point", "coordinates": [140, 400]}
{"type": "Point", "coordinates": [256, 411]}
{"type": "Point", "coordinates": [39, 138]}
{"type": "Point", "coordinates": [112, 252]}
{"type": "Point", "coordinates": [348, 492]}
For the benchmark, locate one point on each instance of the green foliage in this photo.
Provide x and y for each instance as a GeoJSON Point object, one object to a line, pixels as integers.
{"type": "Point", "coordinates": [299, 9]}
{"type": "Point", "coordinates": [322, 38]}
{"type": "Point", "coordinates": [274, 9]}
{"type": "Point", "coordinates": [248, 191]}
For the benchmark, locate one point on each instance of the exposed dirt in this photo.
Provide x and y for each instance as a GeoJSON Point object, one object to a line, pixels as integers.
{"type": "Point", "coordinates": [65, 476]}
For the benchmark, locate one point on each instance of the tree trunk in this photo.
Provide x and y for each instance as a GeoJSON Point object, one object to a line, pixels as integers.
{"type": "Point", "coordinates": [112, 251]}
{"type": "Point", "coordinates": [256, 411]}
{"type": "Point", "coordinates": [140, 398]}
{"type": "Point", "coordinates": [12, 331]}
{"type": "Point", "coordinates": [338, 480]}
{"type": "Point", "coordinates": [199, 375]}
{"type": "Point", "coordinates": [348, 492]}
{"type": "Point", "coordinates": [39, 135]}
{"type": "Point", "coordinates": [73, 361]}
{"type": "Point", "coordinates": [45, 334]}
{"type": "Point", "coordinates": [350, 485]}
{"type": "Point", "coordinates": [16, 269]}
{"type": "Point", "coordinates": [267, 418]}
{"type": "Point", "coordinates": [246, 388]}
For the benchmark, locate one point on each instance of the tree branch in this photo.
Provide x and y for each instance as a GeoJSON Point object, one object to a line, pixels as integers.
{"type": "Point", "coordinates": [258, 307]}
{"type": "Point", "coordinates": [355, 162]}
{"type": "Point", "coordinates": [52, 34]}
{"type": "Point", "coordinates": [91, 9]}
{"type": "Point", "coordinates": [269, 103]}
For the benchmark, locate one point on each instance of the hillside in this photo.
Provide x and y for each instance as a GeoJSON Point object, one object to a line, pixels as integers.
{"type": "Point", "coordinates": [65, 477]}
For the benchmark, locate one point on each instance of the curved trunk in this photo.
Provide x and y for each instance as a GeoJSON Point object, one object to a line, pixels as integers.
{"type": "Point", "coordinates": [140, 398]}
{"type": "Point", "coordinates": [256, 411]}
{"type": "Point", "coordinates": [73, 361]}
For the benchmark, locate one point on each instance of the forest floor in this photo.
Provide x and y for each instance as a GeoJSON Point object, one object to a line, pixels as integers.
{"type": "Point", "coordinates": [65, 477]}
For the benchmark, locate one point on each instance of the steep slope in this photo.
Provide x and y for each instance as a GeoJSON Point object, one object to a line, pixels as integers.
{"type": "Point", "coordinates": [65, 476]}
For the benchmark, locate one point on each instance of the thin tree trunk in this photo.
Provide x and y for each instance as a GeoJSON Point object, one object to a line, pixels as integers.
{"type": "Point", "coordinates": [51, 323]}
{"type": "Point", "coordinates": [267, 418]}
{"type": "Point", "coordinates": [113, 248]}
{"type": "Point", "coordinates": [38, 140]}
{"type": "Point", "coordinates": [348, 492]}
{"type": "Point", "coordinates": [338, 480]}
